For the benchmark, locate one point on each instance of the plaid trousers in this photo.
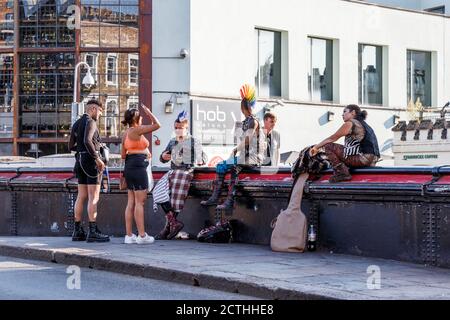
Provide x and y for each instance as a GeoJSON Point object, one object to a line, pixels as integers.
{"type": "Point", "coordinates": [179, 184]}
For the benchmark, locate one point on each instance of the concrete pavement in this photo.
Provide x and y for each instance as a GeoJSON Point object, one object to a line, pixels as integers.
{"type": "Point", "coordinates": [246, 269]}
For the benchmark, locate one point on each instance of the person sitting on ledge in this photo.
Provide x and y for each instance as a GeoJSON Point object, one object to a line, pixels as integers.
{"type": "Point", "coordinates": [360, 148]}
{"type": "Point", "coordinates": [184, 153]}
{"type": "Point", "coordinates": [251, 149]}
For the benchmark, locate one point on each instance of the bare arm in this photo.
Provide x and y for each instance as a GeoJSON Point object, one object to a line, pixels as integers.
{"type": "Point", "coordinates": [123, 151]}
{"type": "Point", "coordinates": [144, 129]}
{"type": "Point", "coordinates": [344, 130]}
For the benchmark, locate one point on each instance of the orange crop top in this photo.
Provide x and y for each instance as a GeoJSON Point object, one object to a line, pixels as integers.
{"type": "Point", "coordinates": [136, 145]}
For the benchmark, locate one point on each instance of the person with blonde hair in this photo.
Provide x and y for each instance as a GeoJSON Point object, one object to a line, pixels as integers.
{"type": "Point", "coordinates": [184, 152]}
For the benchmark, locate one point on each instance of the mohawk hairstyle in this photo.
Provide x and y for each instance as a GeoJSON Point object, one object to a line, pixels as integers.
{"type": "Point", "coordinates": [248, 95]}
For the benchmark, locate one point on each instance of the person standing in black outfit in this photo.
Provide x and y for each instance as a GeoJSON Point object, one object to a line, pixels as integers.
{"type": "Point", "coordinates": [89, 166]}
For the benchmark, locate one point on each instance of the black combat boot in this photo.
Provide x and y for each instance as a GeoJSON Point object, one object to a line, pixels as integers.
{"type": "Point", "coordinates": [175, 226]}
{"type": "Point", "coordinates": [78, 232]}
{"type": "Point", "coordinates": [162, 235]}
{"type": "Point", "coordinates": [229, 202]}
{"type": "Point", "coordinates": [217, 188]}
{"type": "Point", "coordinates": [95, 235]}
{"type": "Point", "coordinates": [341, 174]}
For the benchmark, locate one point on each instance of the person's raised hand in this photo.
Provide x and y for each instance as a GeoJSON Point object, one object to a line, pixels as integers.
{"type": "Point", "coordinates": [313, 151]}
{"type": "Point", "coordinates": [166, 156]}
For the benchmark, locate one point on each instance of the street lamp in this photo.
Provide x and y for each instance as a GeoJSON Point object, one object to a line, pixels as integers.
{"type": "Point", "coordinates": [88, 81]}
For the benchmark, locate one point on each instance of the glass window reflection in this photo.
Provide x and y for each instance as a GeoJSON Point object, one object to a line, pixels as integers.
{"type": "Point", "coordinates": [320, 72]}
{"type": "Point", "coordinates": [114, 73]}
{"type": "Point", "coordinates": [6, 24]}
{"type": "Point", "coordinates": [419, 77]}
{"type": "Point", "coordinates": [268, 73]}
{"type": "Point", "coordinates": [370, 61]}
{"type": "Point", "coordinates": [6, 95]}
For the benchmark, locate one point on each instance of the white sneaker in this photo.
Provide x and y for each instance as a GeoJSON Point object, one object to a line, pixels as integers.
{"type": "Point", "coordinates": [145, 240]}
{"type": "Point", "coordinates": [130, 239]}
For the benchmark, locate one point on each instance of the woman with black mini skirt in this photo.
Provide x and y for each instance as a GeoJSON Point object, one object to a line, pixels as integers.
{"type": "Point", "coordinates": [137, 158]}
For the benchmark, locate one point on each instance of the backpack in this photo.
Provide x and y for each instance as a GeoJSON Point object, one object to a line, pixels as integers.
{"type": "Point", "coordinates": [219, 233]}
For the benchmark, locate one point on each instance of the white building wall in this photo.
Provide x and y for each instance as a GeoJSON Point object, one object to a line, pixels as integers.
{"type": "Point", "coordinates": [220, 36]}
{"type": "Point", "coordinates": [171, 33]}
{"type": "Point", "coordinates": [224, 45]}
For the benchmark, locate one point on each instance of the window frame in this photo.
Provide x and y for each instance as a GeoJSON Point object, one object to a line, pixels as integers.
{"type": "Point", "coordinates": [409, 75]}
{"type": "Point", "coordinates": [106, 116]}
{"type": "Point", "coordinates": [381, 78]}
{"type": "Point", "coordinates": [114, 74]}
{"type": "Point", "coordinates": [132, 99]}
{"type": "Point", "coordinates": [133, 56]}
{"type": "Point", "coordinates": [258, 76]}
{"type": "Point", "coordinates": [95, 67]}
{"type": "Point", "coordinates": [310, 70]}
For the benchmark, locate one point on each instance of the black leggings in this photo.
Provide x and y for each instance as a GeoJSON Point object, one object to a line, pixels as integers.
{"type": "Point", "coordinates": [167, 207]}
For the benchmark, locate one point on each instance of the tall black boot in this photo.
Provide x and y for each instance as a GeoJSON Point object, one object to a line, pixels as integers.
{"type": "Point", "coordinates": [217, 189]}
{"type": "Point", "coordinates": [95, 235]}
{"type": "Point", "coordinates": [229, 201]}
{"type": "Point", "coordinates": [78, 232]}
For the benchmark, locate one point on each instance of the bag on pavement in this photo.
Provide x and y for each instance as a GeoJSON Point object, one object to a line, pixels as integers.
{"type": "Point", "coordinates": [289, 228]}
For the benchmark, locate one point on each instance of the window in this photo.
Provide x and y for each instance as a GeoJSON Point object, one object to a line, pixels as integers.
{"type": "Point", "coordinates": [419, 77]}
{"type": "Point", "coordinates": [116, 98]}
{"type": "Point", "coordinates": [320, 72]}
{"type": "Point", "coordinates": [6, 24]}
{"type": "Point", "coordinates": [110, 125]}
{"type": "Point", "coordinates": [370, 74]}
{"type": "Point", "coordinates": [46, 24]}
{"type": "Point", "coordinates": [92, 60]}
{"type": "Point", "coordinates": [111, 69]}
{"type": "Point", "coordinates": [45, 94]}
{"type": "Point", "coordinates": [6, 95]}
{"type": "Point", "coordinates": [110, 23]}
{"type": "Point", "coordinates": [440, 9]}
{"type": "Point", "coordinates": [133, 102]}
{"type": "Point", "coordinates": [268, 73]}
{"type": "Point", "coordinates": [133, 68]}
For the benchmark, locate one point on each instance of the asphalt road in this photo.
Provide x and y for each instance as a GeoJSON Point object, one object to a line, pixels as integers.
{"type": "Point", "coordinates": [26, 279]}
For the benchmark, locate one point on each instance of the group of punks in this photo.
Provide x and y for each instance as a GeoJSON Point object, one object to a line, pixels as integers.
{"type": "Point", "coordinates": [257, 146]}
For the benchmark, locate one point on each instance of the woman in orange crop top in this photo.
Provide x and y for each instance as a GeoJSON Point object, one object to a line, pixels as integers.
{"type": "Point", "coordinates": [137, 158]}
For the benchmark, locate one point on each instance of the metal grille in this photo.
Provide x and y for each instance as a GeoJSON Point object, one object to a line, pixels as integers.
{"type": "Point", "coordinates": [14, 217]}
{"type": "Point", "coordinates": [71, 212]}
{"type": "Point", "coordinates": [430, 242]}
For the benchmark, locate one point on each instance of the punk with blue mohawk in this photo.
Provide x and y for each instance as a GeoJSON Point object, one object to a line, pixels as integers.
{"type": "Point", "coordinates": [182, 117]}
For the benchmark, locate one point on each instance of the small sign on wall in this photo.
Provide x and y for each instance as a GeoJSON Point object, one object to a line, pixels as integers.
{"type": "Point", "coordinates": [420, 156]}
{"type": "Point", "coordinates": [214, 121]}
